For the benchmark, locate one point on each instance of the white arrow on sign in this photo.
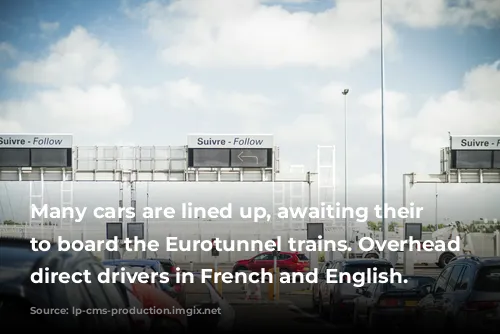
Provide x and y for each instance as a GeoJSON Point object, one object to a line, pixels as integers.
{"type": "Point", "coordinates": [241, 157]}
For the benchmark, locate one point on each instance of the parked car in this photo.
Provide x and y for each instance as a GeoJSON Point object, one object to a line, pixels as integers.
{"type": "Point", "coordinates": [286, 262]}
{"type": "Point", "coordinates": [217, 315]}
{"type": "Point", "coordinates": [389, 304]}
{"type": "Point", "coordinates": [154, 265]}
{"type": "Point", "coordinates": [22, 302]}
{"type": "Point", "coordinates": [337, 299]}
{"type": "Point", "coordinates": [466, 296]}
{"type": "Point", "coordinates": [170, 266]}
{"type": "Point", "coordinates": [166, 314]}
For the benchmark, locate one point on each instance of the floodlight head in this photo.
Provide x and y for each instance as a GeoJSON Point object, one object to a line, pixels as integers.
{"type": "Point", "coordinates": [345, 91]}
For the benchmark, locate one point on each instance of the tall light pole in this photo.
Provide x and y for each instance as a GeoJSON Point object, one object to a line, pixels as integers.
{"type": "Point", "coordinates": [382, 114]}
{"type": "Point", "coordinates": [346, 223]}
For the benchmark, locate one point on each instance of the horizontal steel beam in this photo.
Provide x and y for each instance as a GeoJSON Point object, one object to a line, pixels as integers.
{"type": "Point", "coordinates": [457, 176]}
{"type": "Point", "coordinates": [149, 176]}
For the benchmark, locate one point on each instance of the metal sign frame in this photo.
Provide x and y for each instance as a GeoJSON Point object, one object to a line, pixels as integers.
{"type": "Point", "coordinates": [409, 231]}
{"type": "Point", "coordinates": [131, 235]}
{"type": "Point", "coordinates": [312, 231]}
{"type": "Point", "coordinates": [114, 225]}
{"type": "Point", "coordinates": [451, 175]}
{"type": "Point", "coordinates": [128, 165]}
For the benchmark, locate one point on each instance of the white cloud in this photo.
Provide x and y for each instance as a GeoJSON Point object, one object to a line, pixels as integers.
{"type": "Point", "coordinates": [251, 33]}
{"type": "Point", "coordinates": [331, 94]}
{"type": "Point", "coordinates": [434, 13]}
{"type": "Point", "coordinates": [247, 33]}
{"type": "Point", "coordinates": [185, 94]}
{"type": "Point", "coordinates": [48, 27]}
{"type": "Point", "coordinates": [474, 110]}
{"type": "Point", "coordinates": [7, 126]}
{"type": "Point", "coordinates": [79, 58]}
{"type": "Point", "coordinates": [397, 115]}
{"type": "Point", "coordinates": [71, 109]}
{"type": "Point", "coordinates": [369, 180]}
{"type": "Point", "coordinates": [8, 50]}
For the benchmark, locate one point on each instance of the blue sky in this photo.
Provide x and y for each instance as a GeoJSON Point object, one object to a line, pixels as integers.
{"type": "Point", "coordinates": [147, 72]}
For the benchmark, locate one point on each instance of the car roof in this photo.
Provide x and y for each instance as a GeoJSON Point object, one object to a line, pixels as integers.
{"type": "Point", "coordinates": [18, 260]}
{"type": "Point", "coordinates": [484, 261]}
{"type": "Point", "coordinates": [365, 261]}
{"type": "Point", "coordinates": [161, 259]}
{"type": "Point", "coordinates": [282, 252]}
{"type": "Point", "coordinates": [131, 263]}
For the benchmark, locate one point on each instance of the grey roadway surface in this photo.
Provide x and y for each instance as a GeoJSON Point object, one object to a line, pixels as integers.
{"type": "Point", "coordinates": [293, 311]}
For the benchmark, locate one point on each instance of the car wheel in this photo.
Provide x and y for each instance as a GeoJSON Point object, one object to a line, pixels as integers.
{"type": "Point", "coordinates": [333, 316]}
{"type": "Point", "coordinates": [313, 301]}
{"type": "Point", "coordinates": [444, 259]}
{"type": "Point", "coordinates": [321, 308]}
{"type": "Point", "coordinates": [355, 318]}
{"type": "Point", "coordinates": [372, 321]}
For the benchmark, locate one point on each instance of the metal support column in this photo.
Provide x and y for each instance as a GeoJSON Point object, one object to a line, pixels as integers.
{"type": "Point", "coordinates": [67, 202]}
{"type": "Point", "coordinates": [326, 184]}
{"type": "Point", "coordinates": [409, 256]}
{"type": "Point", "coordinates": [133, 205]}
{"type": "Point", "coordinates": [326, 179]}
{"type": "Point", "coordinates": [297, 197]}
{"type": "Point", "coordinates": [279, 200]}
{"type": "Point", "coordinates": [37, 200]}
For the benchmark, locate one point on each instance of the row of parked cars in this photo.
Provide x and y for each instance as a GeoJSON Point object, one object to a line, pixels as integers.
{"type": "Point", "coordinates": [465, 296]}
{"type": "Point", "coordinates": [52, 306]}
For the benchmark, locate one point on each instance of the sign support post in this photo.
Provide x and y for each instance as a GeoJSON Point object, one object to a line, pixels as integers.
{"type": "Point", "coordinates": [276, 280]}
{"type": "Point", "coordinates": [413, 231]}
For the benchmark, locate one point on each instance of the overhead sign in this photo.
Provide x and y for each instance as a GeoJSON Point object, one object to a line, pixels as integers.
{"type": "Point", "coordinates": [315, 231]}
{"type": "Point", "coordinates": [114, 230]}
{"type": "Point", "coordinates": [413, 230]}
{"type": "Point", "coordinates": [475, 152]}
{"type": "Point", "coordinates": [230, 151]}
{"type": "Point", "coordinates": [475, 143]}
{"type": "Point", "coordinates": [36, 141]}
{"type": "Point", "coordinates": [36, 150]}
{"type": "Point", "coordinates": [135, 230]}
{"type": "Point", "coordinates": [249, 158]}
{"type": "Point", "coordinates": [230, 141]}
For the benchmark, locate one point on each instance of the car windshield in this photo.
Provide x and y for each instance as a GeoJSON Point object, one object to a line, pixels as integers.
{"type": "Point", "coordinates": [363, 267]}
{"type": "Point", "coordinates": [488, 279]}
{"type": "Point", "coordinates": [413, 283]}
{"type": "Point", "coordinates": [302, 257]}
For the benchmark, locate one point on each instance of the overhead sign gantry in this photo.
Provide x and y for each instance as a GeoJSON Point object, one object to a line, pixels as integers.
{"type": "Point", "coordinates": [468, 159]}
{"type": "Point", "coordinates": [230, 151]}
{"type": "Point", "coordinates": [36, 151]}
{"type": "Point", "coordinates": [40, 158]}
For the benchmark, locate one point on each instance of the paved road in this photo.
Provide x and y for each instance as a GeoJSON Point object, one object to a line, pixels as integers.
{"type": "Point", "coordinates": [294, 310]}
{"type": "Point", "coordinates": [276, 318]}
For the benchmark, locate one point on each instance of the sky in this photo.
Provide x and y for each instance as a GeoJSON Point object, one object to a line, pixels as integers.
{"type": "Point", "coordinates": [150, 72]}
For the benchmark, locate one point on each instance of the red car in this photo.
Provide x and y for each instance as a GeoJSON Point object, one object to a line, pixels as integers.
{"type": "Point", "coordinates": [287, 262]}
